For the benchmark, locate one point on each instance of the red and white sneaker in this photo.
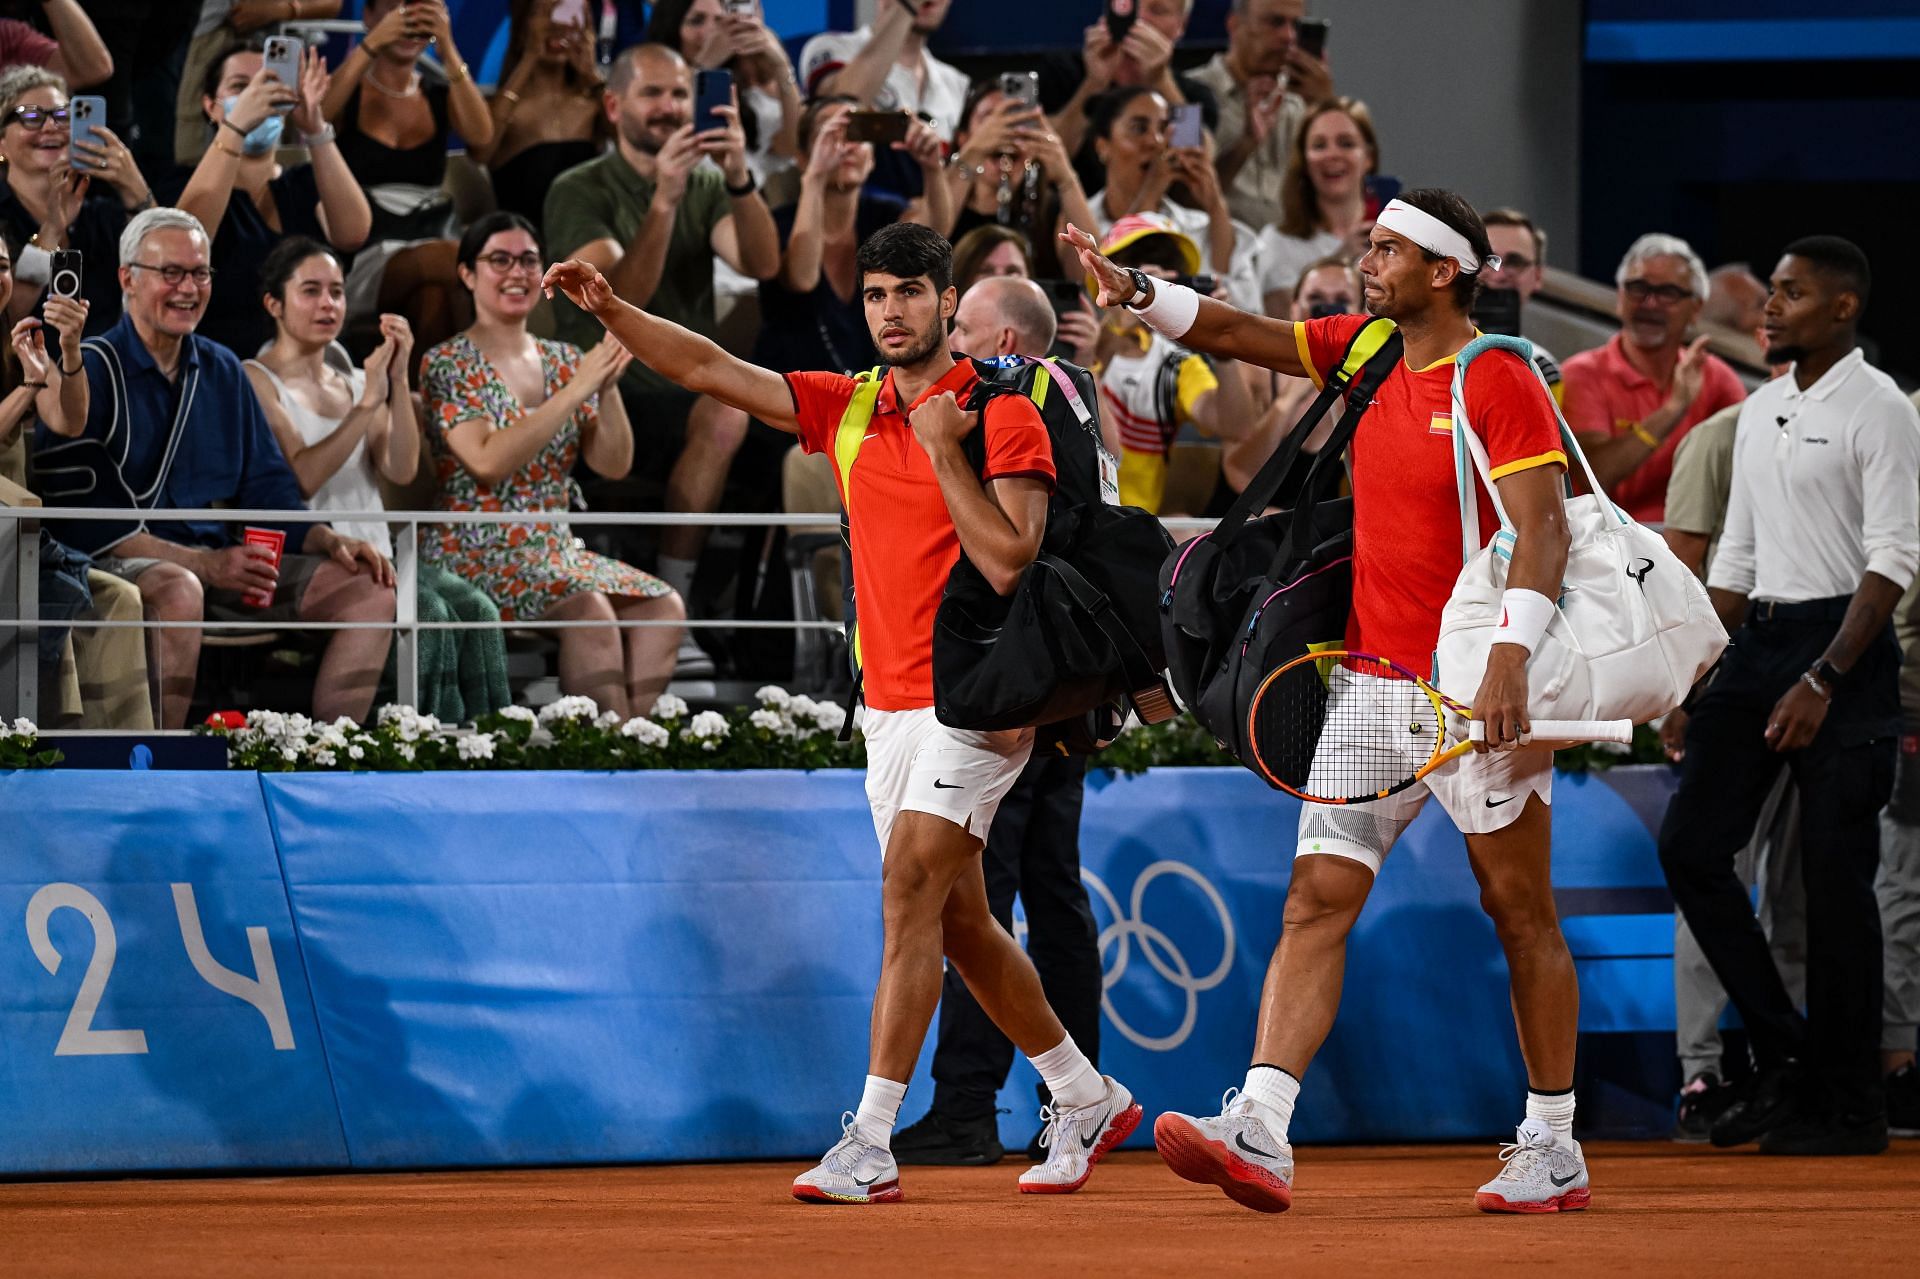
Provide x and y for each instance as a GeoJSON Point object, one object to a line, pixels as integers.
{"type": "Point", "coordinates": [853, 1172]}
{"type": "Point", "coordinates": [1234, 1150]}
{"type": "Point", "coordinates": [1541, 1174]}
{"type": "Point", "coordinates": [1076, 1140]}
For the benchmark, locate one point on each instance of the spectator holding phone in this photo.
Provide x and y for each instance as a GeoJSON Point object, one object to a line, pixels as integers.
{"type": "Point", "coordinates": [547, 112]}
{"type": "Point", "coordinates": [1120, 52]}
{"type": "Point", "coordinates": [1009, 168]}
{"type": "Point", "coordinates": [49, 203]}
{"type": "Point", "coordinates": [74, 52]}
{"type": "Point", "coordinates": [991, 251]}
{"type": "Point", "coordinates": [251, 200]}
{"type": "Point", "coordinates": [733, 34]}
{"type": "Point", "coordinates": [1264, 81]}
{"type": "Point", "coordinates": [886, 66]}
{"type": "Point", "coordinates": [1325, 206]}
{"type": "Point", "coordinates": [222, 25]}
{"type": "Point", "coordinates": [653, 218]}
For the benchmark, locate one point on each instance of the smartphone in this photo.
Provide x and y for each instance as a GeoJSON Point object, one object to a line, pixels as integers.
{"type": "Point", "coordinates": [1382, 190]}
{"type": "Point", "coordinates": [1498, 311]}
{"type": "Point", "coordinates": [85, 114]}
{"type": "Point", "coordinates": [1310, 36]}
{"type": "Point", "coordinates": [1065, 295]}
{"type": "Point", "coordinates": [711, 89]}
{"type": "Point", "coordinates": [568, 13]}
{"type": "Point", "coordinates": [743, 8]}
{"type": "Point", "coordinates": [1120, 18]}
{"type": "Point", "coordinates": [1204, 285]}
{"type": "Point", "coordinates": [1021, 86]}
{"type": "Point", "coordinates": [281, 56]}
{"type": "Point", "coordinates": [63, 280]}
{"type": "Point", "coordinates": [878, 127]}
{"type": "Point", "coordinates": [1183, 126]}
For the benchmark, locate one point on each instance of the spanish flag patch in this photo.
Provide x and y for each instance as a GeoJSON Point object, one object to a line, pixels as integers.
{"type": "Point", "coordinates": [1440, 424]}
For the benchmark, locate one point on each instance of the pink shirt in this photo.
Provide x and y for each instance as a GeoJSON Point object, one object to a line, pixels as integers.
{"type": "Point", "coordinates": [1607, 396]}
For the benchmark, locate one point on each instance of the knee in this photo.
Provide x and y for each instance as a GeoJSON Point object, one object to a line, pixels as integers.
{"type": "Point", "coordinates": [1523, 917]}
{"type": "Point", "coordinates": [364, 600]}
{"type": "Point", "coordinates": [718, 426]}
{"type": "Point", "coordinates": [171, 593]}
{"type": "Point", "coordinates": [590, 607]}
{"type": "Point", "coordinates": [1322, 902]}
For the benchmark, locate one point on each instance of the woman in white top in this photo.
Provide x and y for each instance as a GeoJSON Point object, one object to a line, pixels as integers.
{"type": "Point", "coordinates": [342, 429]}
{"type": "Point", "coordinates": [1323, 199]}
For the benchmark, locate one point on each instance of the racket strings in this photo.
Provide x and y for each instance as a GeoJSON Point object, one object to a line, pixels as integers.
{"type": "Point", "coordinates": [1336, 734]}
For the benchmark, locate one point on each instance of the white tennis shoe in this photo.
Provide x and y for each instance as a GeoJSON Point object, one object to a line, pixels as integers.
{"type": "Point", "coordinates": [1541, 1174]}
{"type": "Point", "coordinates": [1234, 1150]}
{"type": "Point", "coordinates": [1076, 1140]}
{"type": "Point", "coordinates": [855, 1171]}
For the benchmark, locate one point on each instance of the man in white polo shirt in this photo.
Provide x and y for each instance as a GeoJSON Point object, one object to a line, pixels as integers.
{"type": "Point", "coordinates": [1822, 538]}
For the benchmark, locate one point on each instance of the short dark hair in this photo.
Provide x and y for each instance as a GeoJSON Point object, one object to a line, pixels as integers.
{"type": "Point", "coordinates": [1840, 260]}
{"type": "Point", "coordinates": [1514, 217]}
{"type": "Point", "coordinates": [907, 250]}
{"type": "Point", "coordinates": [285, 259]}
{"type": "Point", "coordinates": [1106, 109]}
{"type": "Point", "coordinates": [485, 228]}
{"type": "Point", "coordinates": [1458, 214]}
{"type": "Point", "coordinates": [217, 69]}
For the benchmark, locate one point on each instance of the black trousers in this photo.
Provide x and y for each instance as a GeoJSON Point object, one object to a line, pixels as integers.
{"type": "Point", "coordinates": [1033, 850]}
{"type": "Point", "coordinates": [1845, 776]}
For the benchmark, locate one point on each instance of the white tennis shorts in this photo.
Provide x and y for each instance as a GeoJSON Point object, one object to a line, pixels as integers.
{"type": "Point", "coordinates": [915, 762]}
{"type": "Point", "coordinates": [1481, 791]}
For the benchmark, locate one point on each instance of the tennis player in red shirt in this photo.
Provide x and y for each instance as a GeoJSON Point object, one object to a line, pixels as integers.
{"type": "Point", "coordinates": [914, 504]}
{"type": "Point", "coordinates": [1421, 271]}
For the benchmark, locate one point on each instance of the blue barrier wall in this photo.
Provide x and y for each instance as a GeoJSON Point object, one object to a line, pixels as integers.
{"type": "Point", "coordinates": [512, 968]}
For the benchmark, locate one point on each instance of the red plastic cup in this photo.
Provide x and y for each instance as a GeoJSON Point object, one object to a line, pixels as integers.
{"type": "Point", "coordinates": [275, 540]}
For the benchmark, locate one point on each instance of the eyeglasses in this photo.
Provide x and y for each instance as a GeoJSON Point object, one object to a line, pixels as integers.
{"type": "Point", "coordinates": [174, 275]}
{"type": "Point", "coordinates": [33, 117]}
{"type": "Point", "coordinates": [1516, 262]}
{"type": "Point", "coordinates": [1669, 294]}
{"type": "Point", "coordinates": [503, 262]}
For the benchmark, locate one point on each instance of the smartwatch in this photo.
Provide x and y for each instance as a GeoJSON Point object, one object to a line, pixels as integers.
{"type": "Point", "coordinates": [1829, 674]}
{"type": "Point", "coordinates": [1142, 285]}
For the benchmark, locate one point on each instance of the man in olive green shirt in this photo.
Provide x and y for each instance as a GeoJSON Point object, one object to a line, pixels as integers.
{"type": "Point", "coordinates": [652, 217]}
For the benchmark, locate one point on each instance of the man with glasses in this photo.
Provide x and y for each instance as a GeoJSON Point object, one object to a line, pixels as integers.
{"type": "Point", "coordinates": [1522, 249]}
{"type": "Point", "coordinates": [1632, 401]}
{"type": "Point", "coordinates": [170, 420]}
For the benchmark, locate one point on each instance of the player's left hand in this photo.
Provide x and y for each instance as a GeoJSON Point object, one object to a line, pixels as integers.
{"type": "Point", "coordinates": [1796, 718]}
{"type": "Point", "coordinates": [1501, 703]}
{"type": "Point", "coordinates": [940, 422]}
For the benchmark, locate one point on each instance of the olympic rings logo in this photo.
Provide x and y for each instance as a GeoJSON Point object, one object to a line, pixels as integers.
{"type": "Point", "coordinates": [1159, 951]}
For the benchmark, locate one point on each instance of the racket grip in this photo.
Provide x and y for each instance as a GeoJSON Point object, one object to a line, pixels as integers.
{"type": "Point", "coordinates": [1565, 730]}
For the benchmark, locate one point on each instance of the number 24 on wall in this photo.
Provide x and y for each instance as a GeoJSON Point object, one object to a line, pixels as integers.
{"type": "Point", "coordinates": [79, 1038]}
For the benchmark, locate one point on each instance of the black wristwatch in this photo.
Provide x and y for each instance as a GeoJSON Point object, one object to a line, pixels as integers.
{"type": "Point", "coordinates": [1827, 673]}
{"type": "Point", "coordinates": [1142, 286]}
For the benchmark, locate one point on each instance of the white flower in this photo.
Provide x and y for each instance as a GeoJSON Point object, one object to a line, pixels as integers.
{"type": "Point", "coordinates": [345, 724]}
{"type": "Point", "coordinates": [669, 707]}
{"type": "Point", "coordinates": [24, 727]}
{"type": "Point", "coordinates": [607, 719]}
{"type": "Point", "coordinates": [774, 697]}
{"type": "Point", "coordinates": [406, 751]}
{"type": "Point", "coordinates": [393, 713]}
{"type": "Point", "coordinates": [269, 724]}
{"type": "Point", "coordinates": [475, 746]}
{"type": "Point", "coordinates": [829, 717]}
{"type": "Point", "coordinates": [708, 726]}
{"type": "Point", "coordinates": [298, 725]}
{"type": "Point", "coordinates": [289, 754]}
{"type": "Point", "coordinates": [519, 714]}
{"type": "Point", "coordinates": [356, 751]}
{"type": "Point", "coordinates": [325, 758]}
{"type": "Point", "coordinates": [803, 708]}
{"type": "Point", "coordinates": [772, 721]}
{"type": "Point", "coordinates": [569, 708]}
{"type": "Point", "coordinates": [646, 732]}
{"type": "Point", "coordinates": [332, 738]}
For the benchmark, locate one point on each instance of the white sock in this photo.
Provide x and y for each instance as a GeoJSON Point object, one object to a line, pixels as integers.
{"type": "Point", "coordinates": [1069, 1076]}
{"type": "Point", "coordinates": [1272, 1091]}
{"type": "Point", "coordinates": [1555, 1110]}
{"type": "Point", "coordinates": [879, 1108]}
{"type": "Point", "coordinates": [678, 574]}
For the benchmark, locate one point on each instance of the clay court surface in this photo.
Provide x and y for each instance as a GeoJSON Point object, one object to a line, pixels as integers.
{"type": "Point", "coordinates": [1657, 1208]}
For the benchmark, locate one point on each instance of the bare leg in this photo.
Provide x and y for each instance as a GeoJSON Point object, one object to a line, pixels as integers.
{"type": "Point", "coordinates": [996, 970]}
{"type": "Point", "coordinates": [649, 649]}
{"type": "Point", "coordinates": [714, 434]}
{"type": "Point", "coordinates": [1304, 978]}
{"type": "Point", "coordinates": [1516, 890]}
{"type": "Point", "coordinates": [171, 593]}
{"type": "Point", "coordinates": [350, 669]}
{"type": "Point", "coordinates": [591, 660]}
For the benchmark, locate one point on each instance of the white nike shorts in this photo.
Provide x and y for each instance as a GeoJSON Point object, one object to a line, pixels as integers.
{"type": "Point", "coordinates": [914, 762]}
{"type": "Point", "coordinates": [1482, 791]}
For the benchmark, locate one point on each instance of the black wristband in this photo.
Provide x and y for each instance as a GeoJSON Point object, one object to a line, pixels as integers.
{"type": "Point", "coordinates": [228, 124]}
{"type": "Point", "coordinates": [746, 188]}
{"type": "Point", "coordinates": [1829, 674]}
{"type": "Point", "coordinates": [67, 372]}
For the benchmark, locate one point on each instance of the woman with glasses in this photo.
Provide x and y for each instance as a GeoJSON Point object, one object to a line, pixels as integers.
{"type": "Point", "coordinates": [47, 204]}
{"type": "Point", "coordinates": [508, 416]}
{"type": "Point", "coordinates": [249, 201]}
{"type": "Point", "coordinates": [344, 430]}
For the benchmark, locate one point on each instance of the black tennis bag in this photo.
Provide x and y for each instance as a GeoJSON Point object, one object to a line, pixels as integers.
{"type": "Point", "coordinates": [1251, 595]}
{"type": "Point", "coordinates": [1080, 634]}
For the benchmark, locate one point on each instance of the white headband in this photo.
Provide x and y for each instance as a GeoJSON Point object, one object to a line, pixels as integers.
{"type": "Point", "coordinates": [1431, 234]}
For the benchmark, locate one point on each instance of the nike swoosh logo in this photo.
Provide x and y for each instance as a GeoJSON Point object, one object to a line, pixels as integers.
{"type": "Point", "coordinates": [1561, 1181]}
{"type": "Point", "coordinates": [1495, 803]}
{"type": "Point", "coordinates": [1088, 1141]}
{"type": "Point", "coordinates": [868, 1182]}
{"type": "Point", "coordinates": [940, 785]}
{"type": "Point", "coordinates": [1240, 1140]}
{"type": "Point", "coordinates": [871, 435]}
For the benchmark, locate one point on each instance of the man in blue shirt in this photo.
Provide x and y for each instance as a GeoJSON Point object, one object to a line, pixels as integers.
{"type": "Point", "coordinates": [170, 421]}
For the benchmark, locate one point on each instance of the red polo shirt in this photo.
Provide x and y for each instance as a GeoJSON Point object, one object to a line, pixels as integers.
{"type": "Point", "coordinates": [1607, 396]}
{"type": "Point", "coordinates": [904, 542]}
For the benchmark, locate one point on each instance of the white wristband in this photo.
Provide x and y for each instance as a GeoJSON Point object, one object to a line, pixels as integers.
{"type": "Point", "coordinates": [33, 266]}
{"type": "Point", "coordinates": [1172, 311]}
{"type": "Point", "coordinates": [1523, 618]}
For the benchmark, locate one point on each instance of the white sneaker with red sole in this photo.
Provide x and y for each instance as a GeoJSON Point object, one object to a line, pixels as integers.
{"type": "Point", "coordinates": [1234, 1150]}
{"type": "Point", "coordinates": [1076, 1140]}
{"type": "Point", "coordinates": [854, 1172]}
{"type": "Point", "coordinates": [1542, 1174]}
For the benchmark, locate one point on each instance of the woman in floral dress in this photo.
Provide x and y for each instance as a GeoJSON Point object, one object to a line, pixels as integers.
{"type": "Point", "coordinates": [507, 416]}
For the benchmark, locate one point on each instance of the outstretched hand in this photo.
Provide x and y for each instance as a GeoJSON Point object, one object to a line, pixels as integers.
{"type": "Point", "coordinates": [1115, 284]}
{"type": "Point", "coordinates": [583, 284]}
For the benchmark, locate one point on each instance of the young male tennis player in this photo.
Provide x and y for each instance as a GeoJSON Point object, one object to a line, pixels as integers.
{"type": "Point", "coordinates": [1423, 267]}
{"type": "Point", "coordinates": [914, 504]}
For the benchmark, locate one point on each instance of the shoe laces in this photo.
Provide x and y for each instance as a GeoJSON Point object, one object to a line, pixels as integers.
{"type": "Point", "coordinates": [1522, 1156]}
{"type": "Point", "coordinates": [1233, 1101]}
{"type": "Point", "coordinates": [849, 1150]}
{"type": "Point", "coordinates": [1059, 1135]}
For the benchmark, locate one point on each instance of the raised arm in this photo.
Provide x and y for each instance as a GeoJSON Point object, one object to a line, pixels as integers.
{"type": "Point", "coordinates": [210, 188]}
{"type": "Point", "coordinates": [83, 59]}
{"type": "Point", "coordinates": [866, 70]}
{"type": "Point", "coordinates": [344, 211]}
{"type": "Point", "coordinates": [682, 357]}
{"type": "Point", "coordinates": [1217, 329]}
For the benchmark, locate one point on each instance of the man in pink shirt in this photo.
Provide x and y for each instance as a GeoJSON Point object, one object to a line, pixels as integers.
{"type": "Point", "coordinates": [1633, 400]}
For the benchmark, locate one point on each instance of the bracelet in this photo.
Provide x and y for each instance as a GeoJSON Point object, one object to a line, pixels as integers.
{"type": "Point", "coordinates": [510, 96]}
{"type": "Point", "coordinates": [228, 124]}
{"type": "Point", "coordinates": [746, 188]}
{"type": "Point", "coordinates": [38, 386]}
{"type": "Point", "coordinates": [1642, 434]}
{"type": "Point", "coordinates": [1524, 616]}
{"type": "Point", "coordinates": [66, 372]}
{"type": "Point", "coordinates": [458, 72]}
{"type": "Point", "coordinates": [319, 139]}
{"type": "Point", "coordinates": [1812, 681]}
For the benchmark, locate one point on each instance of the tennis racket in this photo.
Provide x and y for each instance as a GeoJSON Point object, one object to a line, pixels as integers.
{"type": "Point", "coordinates": [1335, 727]}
